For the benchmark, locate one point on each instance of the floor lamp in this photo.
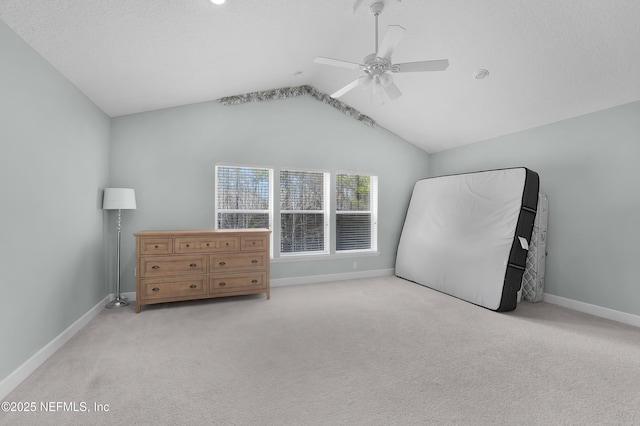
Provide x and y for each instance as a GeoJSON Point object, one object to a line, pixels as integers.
{"type": "Point", "coordinates": [118, 199]}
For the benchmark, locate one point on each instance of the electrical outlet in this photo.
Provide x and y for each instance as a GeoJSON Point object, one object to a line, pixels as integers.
{"type": "Point", "coordinates": [355, 265]}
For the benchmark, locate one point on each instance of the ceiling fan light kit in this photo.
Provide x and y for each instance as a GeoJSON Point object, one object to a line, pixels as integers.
{"type": "Point", "coordinates": [377, 65]}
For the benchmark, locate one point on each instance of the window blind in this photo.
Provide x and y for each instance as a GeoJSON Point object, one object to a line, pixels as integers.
{"type": "Point", "coordinates": [302, 211]}
{"type": "Point", "coordinates": [242, 197]}
{"type": "Point", "coordinates": [356, 204]}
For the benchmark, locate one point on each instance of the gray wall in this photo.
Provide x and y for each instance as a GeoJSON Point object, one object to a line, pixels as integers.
{"type": "Point", "coordinates": [53, 166]}
{"type": "Point", "coordinates": [589, 169]}
{"type": "Point", "coordinates": [168, 156]}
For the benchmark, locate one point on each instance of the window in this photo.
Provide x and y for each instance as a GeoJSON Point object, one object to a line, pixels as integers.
{"type": "Point", "coordinates": [304, 212]}
{"type": "Point", "coordinates": [356, 212]}
{"type": "Point", "coordinates": [305, 204]}
{"type": "Point", "coordinates": [243, 197]}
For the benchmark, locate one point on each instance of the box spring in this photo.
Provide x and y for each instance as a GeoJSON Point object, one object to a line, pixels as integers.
{"type": "Point", "coordinates": [533, 277]}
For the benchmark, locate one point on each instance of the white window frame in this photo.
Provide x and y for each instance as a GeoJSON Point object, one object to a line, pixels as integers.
{"type": "Point", "coordinates": [373, 212]}
{"type": "Point", "coordinates": [329, 212]}
{"type": "Point", "coordinates": [326, 212]}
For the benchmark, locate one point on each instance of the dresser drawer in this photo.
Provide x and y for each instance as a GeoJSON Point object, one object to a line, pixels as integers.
{"type": "Point", "coordinates": [254, 243]}
{"type": "Point", "coordinates": [237, 282]}
{"type": "Point", "coordinates": [184, 287]}
{"type": "Point", "coordinates": [151, 246]}
{"type": "Point", "coordinates": [205, 245]}
{"type": "Point", "coordinates": [172, 265]}
{"type": "Point", "coordinates": [238, 261]}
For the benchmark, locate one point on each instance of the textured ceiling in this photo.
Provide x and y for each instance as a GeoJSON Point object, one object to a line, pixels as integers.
{"type": "Point", "coordinates": [548, 59]}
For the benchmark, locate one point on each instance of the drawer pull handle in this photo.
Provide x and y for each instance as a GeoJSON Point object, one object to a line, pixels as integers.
{"type": "Point", "coordinates": [193, 265]}
{"type": "Point", "coordinates": [222, 263]}
{"type": "Point", "coordinates": [155, 267]}
{"type": "Point", "coordinates": [156, 246]}
{"type": "Point", "coordinates": [222, 284]}
{"type": "Point", "coordinates": [193, 286]}
{"type": "Point", "coordinates": [207, 244]}
{"type": "Point", "coordinates": [155, 289]}
{"type": "Point", "coordinates": [254, 261]}
{"type": "Point", "coordinates": [254, 281]}
{"type": "Point", "coordinates": [254, 243]}
{"type": "Point", "coordinates": [187, 245]}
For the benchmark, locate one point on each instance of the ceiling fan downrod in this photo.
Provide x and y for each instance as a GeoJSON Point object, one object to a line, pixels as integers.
{"type": "Point", "coordinates": [376, 9]}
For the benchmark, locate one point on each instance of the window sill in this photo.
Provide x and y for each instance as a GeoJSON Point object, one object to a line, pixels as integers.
{"type": "Point", "coordinates": [315, 257]}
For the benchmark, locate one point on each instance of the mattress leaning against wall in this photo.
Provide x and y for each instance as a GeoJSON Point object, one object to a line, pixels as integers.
{"type": "Point", "coordinates": [533, 277]}
{"type": "Point", "coordinates": [467, 235]}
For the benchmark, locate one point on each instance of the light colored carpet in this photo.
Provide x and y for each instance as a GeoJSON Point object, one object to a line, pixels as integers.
{"type": "Point", "coordinates": [380, 351]}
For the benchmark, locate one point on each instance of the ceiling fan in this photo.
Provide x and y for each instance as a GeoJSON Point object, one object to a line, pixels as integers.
{"type": "Point", "coordinates": [377, 65]}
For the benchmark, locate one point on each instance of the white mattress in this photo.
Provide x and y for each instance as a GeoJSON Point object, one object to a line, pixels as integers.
{"type": "Point", "coordinates": [460, 231]}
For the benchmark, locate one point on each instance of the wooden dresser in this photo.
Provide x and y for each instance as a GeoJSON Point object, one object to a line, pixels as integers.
{"type": "Point", "coordinates": [200, 264]}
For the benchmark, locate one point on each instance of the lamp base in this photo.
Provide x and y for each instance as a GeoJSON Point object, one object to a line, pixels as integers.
{"type": "Point", "coordinates": [117, 302]}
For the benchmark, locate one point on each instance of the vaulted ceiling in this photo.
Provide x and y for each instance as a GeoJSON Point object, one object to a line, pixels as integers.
{"type": "Point", "coordinates": [548, 60]}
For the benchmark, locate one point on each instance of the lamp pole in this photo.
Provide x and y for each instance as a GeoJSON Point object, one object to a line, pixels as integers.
{"type": "Point", "coordinates": [118, 301]}
{"type": "Point", "coordinates": [118, 199]}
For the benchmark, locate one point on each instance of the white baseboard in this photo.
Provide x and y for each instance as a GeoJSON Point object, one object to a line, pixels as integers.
{"type": "Point", "coordinates": [598, 311]}
{"type": "Point", "coordinates": [130, 296]}
{"type": "Point", "coordinates": [9, 383]}
{"type": "Point", "coordinates": [313, 279]}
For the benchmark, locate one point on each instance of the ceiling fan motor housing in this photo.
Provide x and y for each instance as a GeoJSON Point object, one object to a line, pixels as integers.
{"type": "Point", "coordinates": [377, 7]}
{"type": "Point", "coordinates": [373, 65]}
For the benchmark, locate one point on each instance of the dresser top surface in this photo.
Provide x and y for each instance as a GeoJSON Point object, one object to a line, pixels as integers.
{"type": "Point", "coordinates": [199, 232]}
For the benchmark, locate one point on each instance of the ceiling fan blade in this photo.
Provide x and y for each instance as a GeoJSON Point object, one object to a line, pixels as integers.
{"type": "Point", "coordinates": [338, 63]}
{"type": "Point", "coordinates": [355, 83]}
{"type": "Point", "coordinates": [392, 90]}
{"type": "Point", "coordinates": [390, 41]}
{"type": "Point", "coordinates": [437, 65]}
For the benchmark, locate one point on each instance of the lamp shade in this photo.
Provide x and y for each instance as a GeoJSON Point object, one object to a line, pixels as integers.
{"type": "Point", "coordinates": [119, 198]}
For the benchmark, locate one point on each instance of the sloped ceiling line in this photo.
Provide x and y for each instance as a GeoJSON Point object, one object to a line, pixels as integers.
{"type": "Point", "coordinates": [288, 92]}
